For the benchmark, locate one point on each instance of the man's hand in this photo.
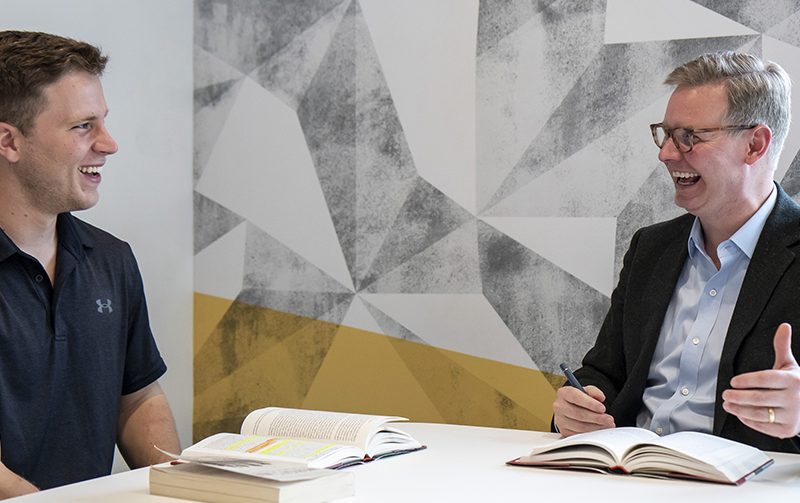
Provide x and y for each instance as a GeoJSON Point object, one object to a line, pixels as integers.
{"type": "Point", "coordinates": [577, 412]}
{"type": "Point", "coordinates": [769, 400]}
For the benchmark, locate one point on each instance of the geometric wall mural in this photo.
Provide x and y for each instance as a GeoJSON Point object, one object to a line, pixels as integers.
{"type": "Point", "coordinates": [420, 208]}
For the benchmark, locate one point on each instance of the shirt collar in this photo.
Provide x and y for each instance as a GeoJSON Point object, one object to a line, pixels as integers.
{"type": "Point", "coordinates": [71, 237]}
{"type": "Point", "coordinates": [746, 237]}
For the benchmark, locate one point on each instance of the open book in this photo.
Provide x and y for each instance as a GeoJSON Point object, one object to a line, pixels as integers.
{"type": "Point", "coordinates": [314, 439]}
{"type": "Point", "coordinates": [637, 451]}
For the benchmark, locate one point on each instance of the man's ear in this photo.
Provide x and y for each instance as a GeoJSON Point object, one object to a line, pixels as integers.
{"type": "Point", "coordinates": [9, 142]}
{"type": "Point", "coordinates": [759, 144]}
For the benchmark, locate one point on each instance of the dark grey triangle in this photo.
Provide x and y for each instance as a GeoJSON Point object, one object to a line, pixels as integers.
{"type": "Point", "coordinates": [271, 267]}
{"type": "Point", "coordinates": [498, 18]}
{"type": "Point", "coordinates": [211, 221]}
{"type": "Point", "coordinates": [390, 326]}
{"type": "Point", "coordinates": [427, 215]}
{"type": "Point", "coordinates": [553, 315]}
{"type": "Point", "coordinates": [221, 97]}
{"type": "Point", "coordinates": [654, 202]}
{"type": "Point", "coordinates": [327, 115]}
{"type": "Point", "coordinates": [755, 14]}
{"type": "Point", "coordinates": [246, 33]}
{"type": "Point", "coordinates": [791, 180]}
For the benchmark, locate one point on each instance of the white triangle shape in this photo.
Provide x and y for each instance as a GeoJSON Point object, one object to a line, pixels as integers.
{"type": "Point", "coordinates": [219, 267]}
{"type": "Point", "coordinates": [630, 21]}
{"type": "Point", "coordinates": [424, 48]}
{"type": "Point", "coordinates": [359, 317]}
{"type": "Point", "coordinates": [464, 323]}
{"type": "Point", "coordinates": [261, 169]}
{"type": "Point", "coordinates": [583, 247]}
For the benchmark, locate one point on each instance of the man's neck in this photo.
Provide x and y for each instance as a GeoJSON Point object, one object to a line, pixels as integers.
{"type": "Point", "coordinates": [722, 227]}
{"type": "Point", "coordinates": [31, 230]}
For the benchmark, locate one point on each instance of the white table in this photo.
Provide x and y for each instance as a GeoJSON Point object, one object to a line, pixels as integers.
{"type": "Point", "coordinates": [466, 464]}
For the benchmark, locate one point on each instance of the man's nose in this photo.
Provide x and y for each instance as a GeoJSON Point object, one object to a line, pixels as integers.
{"type": "Point", "coordinates": [668, 151]}
{"type": "Point", "coordinates": [105, 143]}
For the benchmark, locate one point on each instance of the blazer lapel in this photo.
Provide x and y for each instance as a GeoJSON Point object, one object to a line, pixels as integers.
{"type": "Point", "coordinates": [770, 260]}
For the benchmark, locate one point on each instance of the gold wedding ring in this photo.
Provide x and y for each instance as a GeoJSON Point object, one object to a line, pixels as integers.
{"type": "Point", "coordinates": [771, 415]}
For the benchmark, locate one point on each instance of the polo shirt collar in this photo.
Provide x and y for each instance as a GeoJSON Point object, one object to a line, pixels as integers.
{"type": "Point", "coordinates": [7, 247]}
{"type": "Point", "coordinates": [70, 236]}
{"type": "Point", "coordinates": [746, 238]}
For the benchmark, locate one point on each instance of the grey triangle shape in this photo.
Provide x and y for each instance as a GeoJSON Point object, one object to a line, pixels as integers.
{"type": "Point", "coordinates": [390, 326]}
{"type": "Point", "coordinates": [211, 221]}
{"type": "Point", "coordinates": [652, 203]}
{"type": "Point", "coordinates": [788, 30]}
{"type": "Point", "coordinates": [758, 15]}
{"type": "Point", "coordinates": [553, 315]}
{"type": "Point", "coordinates": [245, 34]}
{"type": "Point", "coordinates": [288, 73]}
{"type": "Point", "coordinates": [272, 267]}
{"type": "Point", "coordinates": [622, 79]}
{"type": "Point", "coordinates": [791, 180]}
{"type": "Point", "coordinates": [449, 265]}
{"type": "Point", "coordinates": [327, 116]}
{"type": "Point", "coordinates": [427, 215]}
{"type": "Point", "coordinates": [498, 18]}
{"type": "Point", "coordinates": [217, 100]}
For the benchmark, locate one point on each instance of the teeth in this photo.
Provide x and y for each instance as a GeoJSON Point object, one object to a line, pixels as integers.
{"type": "Point", "coordinates": [90, 170]}
{"type": "Point", "coordinates": [680, 174]}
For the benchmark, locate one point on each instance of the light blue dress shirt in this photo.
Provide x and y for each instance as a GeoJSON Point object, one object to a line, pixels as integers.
{"type": "Point", "coordinates": [682, 381]}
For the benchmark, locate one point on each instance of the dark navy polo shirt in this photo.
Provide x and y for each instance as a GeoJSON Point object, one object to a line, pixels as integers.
{"type": "Point", "coordinates": [68, 352]}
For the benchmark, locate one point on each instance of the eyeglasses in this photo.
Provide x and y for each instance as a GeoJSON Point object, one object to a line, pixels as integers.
{"type": "Point", "coordinates": [685, 139]}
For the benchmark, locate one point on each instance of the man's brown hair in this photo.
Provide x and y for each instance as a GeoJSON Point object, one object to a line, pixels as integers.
{"type": "Point", "coordinates": [29, 62]}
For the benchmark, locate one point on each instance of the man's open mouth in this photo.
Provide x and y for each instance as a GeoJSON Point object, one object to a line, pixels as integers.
{"type": "Point", "coordinates": [682, 178]}
{"type": "Point", "coordinates": [90, 170]}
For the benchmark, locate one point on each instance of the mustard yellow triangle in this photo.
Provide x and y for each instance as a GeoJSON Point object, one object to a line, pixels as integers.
{"type": "Point", "coordinates": [208, 311]}
{"type": "Point", "coordinates": [363, 373]}
{"type": "Point", "coordinates": [279, 376]}
{"type": "Point", "coordinates": [527, 388]}
{"type": "Point", "coordinates": [461, 397]}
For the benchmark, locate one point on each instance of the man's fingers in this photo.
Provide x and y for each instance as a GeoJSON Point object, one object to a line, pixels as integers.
{"type": "Point", "coordinates": [763, 380]}
{"type": "Point", "coordinates": [578, 412]}
{"type": "Point", "coordinates": [784, 359]}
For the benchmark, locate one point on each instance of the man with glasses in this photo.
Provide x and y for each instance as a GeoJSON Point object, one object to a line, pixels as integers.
{"type": "Point", "coordinates": [699, 333]}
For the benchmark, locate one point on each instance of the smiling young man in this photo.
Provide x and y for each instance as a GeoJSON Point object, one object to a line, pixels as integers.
{"type": "Point", "coordinates": [79, 367]}
{"type": "Point", "coordinates": [699, 333]}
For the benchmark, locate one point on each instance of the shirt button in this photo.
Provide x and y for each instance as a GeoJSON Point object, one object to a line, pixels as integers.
{"type": "Point", "coordinates": [659, 430]}
{"type": "Point", "coordinates": [696, 341]}
{"type": "Point", "coordinates": [39, 278]}
{"type": "Point", "coordinates": [684, 391]}
{"type": "Point", "coordinates": [712, 292]}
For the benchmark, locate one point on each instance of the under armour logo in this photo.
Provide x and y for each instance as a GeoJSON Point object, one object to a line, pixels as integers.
{"type": "Point", "coordinates": [104, 305]}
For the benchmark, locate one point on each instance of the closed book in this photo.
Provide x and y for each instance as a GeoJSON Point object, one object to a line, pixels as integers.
{"type": "Point", "coordinates": [213, 485]}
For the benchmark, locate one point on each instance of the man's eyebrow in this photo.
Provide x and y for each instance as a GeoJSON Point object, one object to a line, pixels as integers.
{"type": "Point", "coordinates": [91, 117]}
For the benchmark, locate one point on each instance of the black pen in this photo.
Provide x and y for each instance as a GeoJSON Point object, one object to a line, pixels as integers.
{"type": "Point", "coordinates": [571, 377]}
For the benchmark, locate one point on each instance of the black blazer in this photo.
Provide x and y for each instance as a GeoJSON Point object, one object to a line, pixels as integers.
{"type": "Point", "coordinates": [620, 360]}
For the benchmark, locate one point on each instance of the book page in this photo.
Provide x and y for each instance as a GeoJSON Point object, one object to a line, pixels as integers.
{"type": "Point", "coordinates": [616, 441]}
{"type": "Point", "coordinates": [338, 427]}
{"type": "Point", "coordinates": [232, 446]}
{"type": "Point", "coordinates": [704, 454]}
